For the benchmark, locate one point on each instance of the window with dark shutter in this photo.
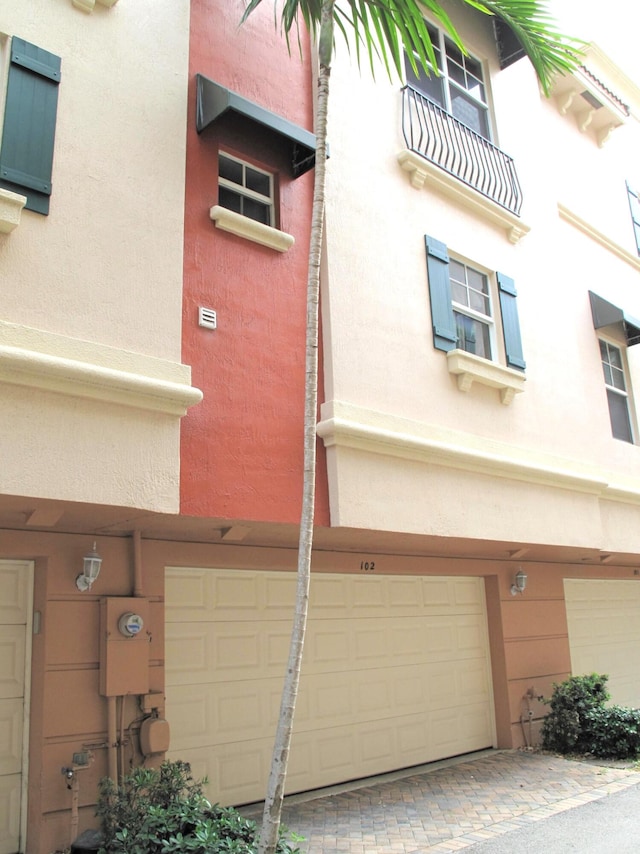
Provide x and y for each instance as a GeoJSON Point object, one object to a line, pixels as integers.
{"type": "Point", "coordinates": [26, 151]}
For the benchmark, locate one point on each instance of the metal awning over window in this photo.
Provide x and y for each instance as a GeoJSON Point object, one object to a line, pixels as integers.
{"type": "Point", "coordinates": [605, 313]}
{"type": "Point", "coordinates": [215, 101]}
{"type": "Point", "coordinates": [509, 47]}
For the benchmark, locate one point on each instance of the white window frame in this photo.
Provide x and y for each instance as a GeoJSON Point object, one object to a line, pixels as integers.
{"type": "Point", "coordinates": [244, 192]}
{"type": "Point", "coordinates": [623, 393]}
{"type": "Point", "coordinates": [439, 40]}
{"type": "Point", "coordinates": [487, 320]}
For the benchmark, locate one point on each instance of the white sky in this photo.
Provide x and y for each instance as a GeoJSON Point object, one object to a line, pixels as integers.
{"type": "Point", "coordinates": [614, 26]}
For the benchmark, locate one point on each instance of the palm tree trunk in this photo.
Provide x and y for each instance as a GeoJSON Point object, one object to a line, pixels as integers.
{"type": "Point", "coordinates": [278, 772]}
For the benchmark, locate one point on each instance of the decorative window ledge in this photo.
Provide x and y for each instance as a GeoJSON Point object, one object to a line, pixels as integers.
{"type": "Point", "coordinates": [422, 172]}
{"type": "Point", "coordinates": [250, 229]}
{"type": "Point", "coordinates": [597, 94]}
{"type": "Point", "coordinates": [469, 369]}
{"type": "Point", "coordinates": [11, 205]}
{"type": "Point", "coordinates": [89, 5]}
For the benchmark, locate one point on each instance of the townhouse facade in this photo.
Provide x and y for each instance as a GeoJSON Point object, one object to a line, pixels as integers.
{"type": "Point", "coordinates": [477, 498]}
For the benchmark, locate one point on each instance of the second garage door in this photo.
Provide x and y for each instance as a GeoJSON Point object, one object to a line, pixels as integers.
{"type": "Point", "coordinates": [604, 633]}
{"type": "Point", "coordinates": [396, 673]}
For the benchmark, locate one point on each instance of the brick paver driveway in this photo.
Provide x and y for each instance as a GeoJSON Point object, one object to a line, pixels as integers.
{"type": "Point", "coordinates": [448, 806]}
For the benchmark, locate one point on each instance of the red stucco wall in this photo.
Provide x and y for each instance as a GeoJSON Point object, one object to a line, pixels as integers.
{"type": "Point", "coordinates": [241, 454]}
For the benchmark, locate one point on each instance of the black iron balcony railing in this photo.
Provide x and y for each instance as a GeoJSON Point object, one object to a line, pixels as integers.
{"type": "Point", "coordinates": [440, 138]}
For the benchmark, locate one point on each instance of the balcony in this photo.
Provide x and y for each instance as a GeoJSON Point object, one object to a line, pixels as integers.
{"type": "Point", "coordinates": [467, 166]}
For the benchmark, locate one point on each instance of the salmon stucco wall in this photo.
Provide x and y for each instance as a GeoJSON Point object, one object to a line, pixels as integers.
{"type": "Point", "coordinates": [242, 447]}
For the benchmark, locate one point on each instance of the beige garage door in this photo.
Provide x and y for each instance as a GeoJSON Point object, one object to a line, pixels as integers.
{"type": "Point", "coordinates": [15, 598]}
{"type": "Point", "coordinates": [604, 633]}
{"type": "Point", "coordinates": [396, 673]}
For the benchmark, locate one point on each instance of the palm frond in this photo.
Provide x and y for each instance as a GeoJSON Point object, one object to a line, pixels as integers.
{"type": "Point", "coordinates": [389, 30]}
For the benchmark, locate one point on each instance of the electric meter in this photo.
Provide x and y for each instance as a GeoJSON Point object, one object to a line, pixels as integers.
{"type": "Point", "coordinates": [130, 624]}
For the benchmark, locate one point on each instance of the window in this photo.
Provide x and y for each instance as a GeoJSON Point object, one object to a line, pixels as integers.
{"type": "Point", "coordinates": [471, 303]}
{"type": "Point", "coordinates": [245, 189]}
{"type": "Point", "coordinates": [634, 205]}
{"type": "Point", "coordinates": [26, 151]}
{"type": "Point", "coordinates": [456, 84]}
{"type": "Point", "coordinates": [461, 311]}
{"type": "Point", "coordinates": [617, 395]}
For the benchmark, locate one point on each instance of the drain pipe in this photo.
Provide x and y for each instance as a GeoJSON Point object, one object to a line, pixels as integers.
{"type": "Point", "coordinates": [112, 738]}
{"type": "Point", "coordinates": [138, 587]}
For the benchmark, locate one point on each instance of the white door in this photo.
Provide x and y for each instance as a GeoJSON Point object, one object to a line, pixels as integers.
{"type": "Point", "coordinates": [16, 581]}
{"type": "Point", "coordinates": [396, 673]}
{"type": "Point", "coordinates": [604, 633]}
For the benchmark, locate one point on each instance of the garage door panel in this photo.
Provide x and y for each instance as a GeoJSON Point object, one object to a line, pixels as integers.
{"type": "Point", "coordinates": [218, 652]}
{"type": "Point", "coordinates": [603, 618]}
{"type": "Point", "coordinates": [9, 813]}
{"type": "Point", "coordinates": [395, 673]}
{"type": "Point", "coordinates": [12, 661]}
{"type": "Point", "coordinates": [199, 595]}
{"type": "Point", "coordinates": [213, 714]}
{"type": "Point", "coordinates": [11, 720]}
{"type": "Point", "coordinates": [14, 602]}
{"type": "Point", "coordinates": [16, 584]}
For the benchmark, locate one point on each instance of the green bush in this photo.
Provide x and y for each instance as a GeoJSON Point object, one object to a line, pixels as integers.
{"type": "Point", "coordinates": [164, 811]}
{"type": "Point", "coordinates": [612, 731]}
{"type": "Point", "coordinates": [579, 721]}
{"type": "Point", "coordinates": [571, 702]}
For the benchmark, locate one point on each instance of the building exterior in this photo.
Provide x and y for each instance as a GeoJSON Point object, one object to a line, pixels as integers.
{"type": "Point", "coordinates": [477, 423]}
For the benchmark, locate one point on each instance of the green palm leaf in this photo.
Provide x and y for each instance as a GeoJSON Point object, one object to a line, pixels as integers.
{"type": "Point", "coordinates": [389, 29]}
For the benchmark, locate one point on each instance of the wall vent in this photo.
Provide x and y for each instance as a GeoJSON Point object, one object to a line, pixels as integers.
{"type": "Point", "coordinates": [207, 318]}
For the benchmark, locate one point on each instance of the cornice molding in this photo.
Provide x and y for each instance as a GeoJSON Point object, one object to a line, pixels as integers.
{"type": "Point", "coordinates": [36, 359]}
{"type": "Point", "coordinates": [595, 234]}
{"type": "Point", "coordinates": [346, 426]}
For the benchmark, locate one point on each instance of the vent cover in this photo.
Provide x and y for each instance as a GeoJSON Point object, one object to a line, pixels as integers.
{"type": "Point", "coordinates": [207, 318]}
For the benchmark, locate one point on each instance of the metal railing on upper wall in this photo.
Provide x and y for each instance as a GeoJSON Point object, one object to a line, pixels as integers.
{"type": "Point", "coordinates": [440, 138]}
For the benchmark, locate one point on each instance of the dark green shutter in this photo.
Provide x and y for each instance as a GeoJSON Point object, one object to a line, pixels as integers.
{"type": "Point", "coordinates": [26, 153]}
{"type": "Point", "coordinates": [634, 205]}
{"type": "Point", "coordinates": [510, 322]}
{"type": "Point", "coordinates": [444, 327]}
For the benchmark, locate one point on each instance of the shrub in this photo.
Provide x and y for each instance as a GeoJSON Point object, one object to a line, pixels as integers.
{"type": "Point", "coordinates": [612, 731]}
{"type": "Point", "coordinates": [164, 811]}
{"type": "Point", "coordinates": [571, 702]}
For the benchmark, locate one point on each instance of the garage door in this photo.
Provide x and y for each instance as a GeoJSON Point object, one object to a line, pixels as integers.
{"type": "Point", "coordinates": [604, 633]}
{"type": "Point", "coordinates": [396, 673]}
{"type": "Point", "coordinates": [15, 598]}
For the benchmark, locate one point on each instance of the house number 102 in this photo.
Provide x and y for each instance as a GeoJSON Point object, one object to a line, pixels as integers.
{"type": "Point", "coordinates": [367, 565]}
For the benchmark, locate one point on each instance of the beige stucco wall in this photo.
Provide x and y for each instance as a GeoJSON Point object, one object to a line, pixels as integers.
{"type": "Point", "coordinates": [91, 294]}
{"type": "Point", "coordinates": [391, 403]}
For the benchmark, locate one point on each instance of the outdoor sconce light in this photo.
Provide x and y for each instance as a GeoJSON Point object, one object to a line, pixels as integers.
{"type": "Point", "coordinates": [91, 563]}
{"type": "Point", "coordinates": [519, 583]}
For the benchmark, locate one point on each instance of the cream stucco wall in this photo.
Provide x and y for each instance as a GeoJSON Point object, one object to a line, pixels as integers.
{"type": "Point", "coordinates": [92, 293]}
{"type": "Point", "coordinates": [386, 382]}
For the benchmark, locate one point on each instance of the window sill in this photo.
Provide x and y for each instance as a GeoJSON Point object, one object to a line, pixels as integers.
{"type": "Point", "coordinates": [89, 5]}
{"type": "Point", "coordinates": [11, 205]}
{"type": "Point", "coordinates": [248, 228]}
{"type": "Point", "coordinates": [422, 171]}
{"type": "Point", "coordinates": [469, 369]}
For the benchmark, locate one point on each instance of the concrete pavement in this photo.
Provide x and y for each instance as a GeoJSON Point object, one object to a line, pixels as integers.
{"type": "Point", "coordinates": [451, 805]}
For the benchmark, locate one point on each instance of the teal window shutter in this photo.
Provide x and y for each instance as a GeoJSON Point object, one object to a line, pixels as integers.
{"type": "Point", "coordinates": [634, 205]}
{"type": "Point", "coordinates": [444, 326]}
{"type": "Point", "coordinates": [510, 322]}
{"type": "Point", "coordinates": [26, 151]}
